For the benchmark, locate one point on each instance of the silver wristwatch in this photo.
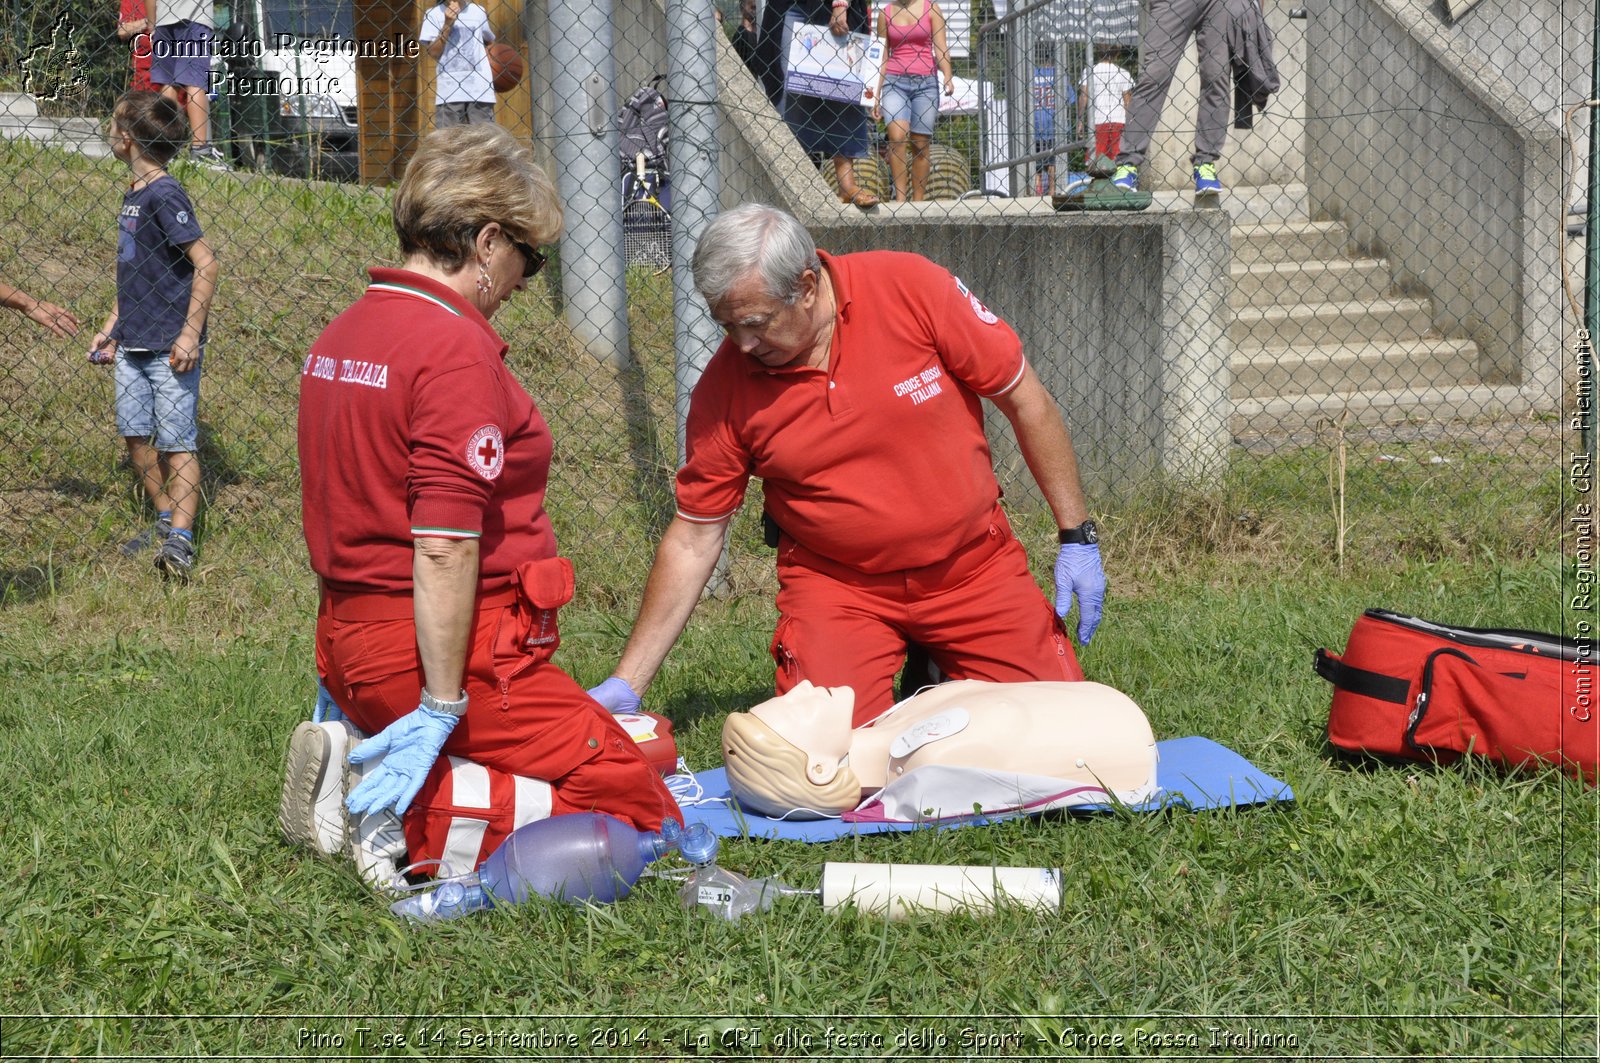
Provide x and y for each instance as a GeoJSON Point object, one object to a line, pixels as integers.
{"type": "Point", "coordinates": [449, 708]}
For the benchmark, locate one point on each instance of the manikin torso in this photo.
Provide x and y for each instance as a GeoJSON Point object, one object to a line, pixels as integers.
{"type": "Point", "coordinates": [1062, 730]}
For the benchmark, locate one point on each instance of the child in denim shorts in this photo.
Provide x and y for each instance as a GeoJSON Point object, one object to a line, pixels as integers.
{"type": "Point", "coordinates": [908, 92]}
{"type": "Point", "coordinates": [156, 332]}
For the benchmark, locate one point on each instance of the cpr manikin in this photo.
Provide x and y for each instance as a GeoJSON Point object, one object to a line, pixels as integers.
{"type": "Point", "coordinates": [1003, 747]}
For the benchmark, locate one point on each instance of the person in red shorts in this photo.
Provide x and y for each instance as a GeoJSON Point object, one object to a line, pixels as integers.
{"type": "Point", "coordinates": [424, 465]}
{"type": "Point", "coordinates": [851, 385]}
{"type": "Point", "coordinates": [134, 25]}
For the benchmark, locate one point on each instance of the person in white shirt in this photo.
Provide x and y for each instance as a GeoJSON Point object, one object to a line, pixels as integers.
{"type": "Point", "coordinates": [1107, 86]}
{"type": "Point", "coordinates": [457, 34]}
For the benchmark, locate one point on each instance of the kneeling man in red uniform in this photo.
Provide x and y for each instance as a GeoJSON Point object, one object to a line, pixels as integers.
{"type": "Point", "coordinates": [851, 384]}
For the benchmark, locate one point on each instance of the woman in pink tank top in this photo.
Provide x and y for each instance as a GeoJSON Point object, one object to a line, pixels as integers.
{"type": "Point", "coordinates": [908, 93]}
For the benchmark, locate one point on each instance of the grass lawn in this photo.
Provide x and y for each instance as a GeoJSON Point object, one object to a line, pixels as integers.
{"type": "Point", "coordinates": [149, 908]}
{"type": "Point", "coordinates": [1391, 911]}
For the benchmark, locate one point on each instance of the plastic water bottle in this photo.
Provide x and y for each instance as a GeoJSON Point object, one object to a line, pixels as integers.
{"type": "Point", "coordinates": [580, 857]}
{"type": "Point", "coordinates": [727, 893]}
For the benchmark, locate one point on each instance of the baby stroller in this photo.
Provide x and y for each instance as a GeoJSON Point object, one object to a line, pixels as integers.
{"type": "Point", "coordinates": [646, 184]}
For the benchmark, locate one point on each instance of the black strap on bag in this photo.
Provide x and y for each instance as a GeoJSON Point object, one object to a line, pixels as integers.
{"type": "Point", "coordinates": [1360, 681]}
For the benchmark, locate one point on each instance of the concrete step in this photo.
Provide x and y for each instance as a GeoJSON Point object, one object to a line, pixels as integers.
{"type": "Point", "coordinates": [1318, 337]}
{"type": "Point", "coordinates": [1389, 406]}
{"type": "Point", "coordinates": [18, 106]}
{"type": "Point", "coordinates": [81, 127]}
{"type": "Point", "coordinates": [1290, 371]}
{"type": "Point", "coordinates": [1330, 281]}
{"type": "Point", "coordinates": [1250, 205]}
{"type": "Point", "coordinates": [1245, 204]}
{"type": "Point", "coordinates": [30, 126]}
{"type": "Point", "coordinates": [1289, 241]}
{"type": "Point", "coordinates": [20, 120]}
{"type": "Point", "coordinates": [84, 136]}
{"type": "Point", "coordinates": [1318, 324]}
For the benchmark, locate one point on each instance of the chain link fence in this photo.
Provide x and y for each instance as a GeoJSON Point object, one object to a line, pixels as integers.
{"type": "Point", "coordinates": [1393, 277]}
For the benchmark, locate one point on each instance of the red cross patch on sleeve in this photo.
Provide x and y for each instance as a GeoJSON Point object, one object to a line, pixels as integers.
{"type": "Point", "coordinates": [983, 313]}
{"type": "Point", "coordinates": [486, 451]}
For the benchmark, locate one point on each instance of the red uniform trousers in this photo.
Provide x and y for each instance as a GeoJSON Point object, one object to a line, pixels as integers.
{"type": "Point", "coordinates": [1108, 139]}
{"type": "Point", "coordinates": [526, 717]}
{"type": "Point", "coordinates": [979, 614]}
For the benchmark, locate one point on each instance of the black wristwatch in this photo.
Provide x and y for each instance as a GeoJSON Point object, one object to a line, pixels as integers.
{"type": "Point", "coordinates": [1085, 534]}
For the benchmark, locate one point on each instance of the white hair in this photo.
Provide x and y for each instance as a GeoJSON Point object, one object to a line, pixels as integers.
{"type": "Point", "coordinates": [754, 237]}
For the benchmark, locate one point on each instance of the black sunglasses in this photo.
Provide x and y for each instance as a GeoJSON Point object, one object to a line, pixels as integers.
{"type": "Point", "coordinates": [532, 260]}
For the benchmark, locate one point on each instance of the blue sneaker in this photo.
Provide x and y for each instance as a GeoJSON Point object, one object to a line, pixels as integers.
{"type": "Point", "coordinates": [154, 535]}
{"type": "Point", "coordinates": [175, 557]}
{"type": "Point", "coordinates": [1205, 179]}
{"type": "Point", "coordinates": [1126, 178]}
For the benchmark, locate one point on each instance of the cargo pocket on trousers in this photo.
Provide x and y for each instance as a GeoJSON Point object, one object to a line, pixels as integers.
{"type": "Point", "coordinates": [528, 632]}
{"type": "Point", "coordinates": [530, 627]}
{"type": "Point", "coordinates": [562, 748]}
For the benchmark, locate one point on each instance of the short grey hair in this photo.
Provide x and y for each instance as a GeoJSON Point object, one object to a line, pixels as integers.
{"type": "Point", "coordinates": [754, 237]}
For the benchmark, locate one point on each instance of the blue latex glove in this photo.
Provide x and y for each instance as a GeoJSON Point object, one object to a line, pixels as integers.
{"type": "Point", "coordinates": [327, 710]}
{"type": "Point", "coordinates": [616, 695]}
{"type": "Point", "coordinates": [1079, 572]}
{"type": "Point", "coordinates": [409, 746]}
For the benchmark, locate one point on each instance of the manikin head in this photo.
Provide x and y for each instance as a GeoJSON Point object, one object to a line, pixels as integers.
{"type": "Point", "coordinates": [788, 753]}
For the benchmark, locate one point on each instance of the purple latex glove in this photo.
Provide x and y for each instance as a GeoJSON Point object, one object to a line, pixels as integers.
{"type": "Point", "coordinates": [616, 696]}
{"type": "Point", "coordinates": [409, 746]}
{"type": "Point", "coordinates": [1079, 572]}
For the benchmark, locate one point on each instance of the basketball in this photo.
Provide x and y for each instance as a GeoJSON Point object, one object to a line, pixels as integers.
{"type": "Point", "coordinates": [506, 66]}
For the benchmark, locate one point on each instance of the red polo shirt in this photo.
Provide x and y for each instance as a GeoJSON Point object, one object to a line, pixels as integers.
{"type": "Point", "coordinates": [877, 460]}
{"type": "Point", "coordinates": [411, 425]}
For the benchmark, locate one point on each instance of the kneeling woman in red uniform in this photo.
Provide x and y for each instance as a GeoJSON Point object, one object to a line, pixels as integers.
{"type": "Point", "coordinates": [424, 465]}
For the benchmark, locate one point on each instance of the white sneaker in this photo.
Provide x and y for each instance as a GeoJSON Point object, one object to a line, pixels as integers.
{"type": "Point", "coordinates": [209, 156]}
{"type": "Point", "coordinates": [311, 810]}
{"type": "Point", "coordinates": [377, 842]}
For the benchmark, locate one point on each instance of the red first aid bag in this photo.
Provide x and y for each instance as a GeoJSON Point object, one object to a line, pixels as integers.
{"type": "Point", "coordinates": [1410, 688]}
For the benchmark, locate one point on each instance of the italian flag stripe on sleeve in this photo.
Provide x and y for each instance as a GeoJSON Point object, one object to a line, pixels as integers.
{"type": "Point", "coordinates": [445, 533]}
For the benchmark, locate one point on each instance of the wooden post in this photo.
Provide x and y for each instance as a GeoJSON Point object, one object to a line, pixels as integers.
{"type": "Point", "coordinates": [395, 93]}
{"type": "Point", "coordinates": [388, 97]}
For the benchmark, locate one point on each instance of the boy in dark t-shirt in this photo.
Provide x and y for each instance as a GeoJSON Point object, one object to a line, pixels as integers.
{"type": "Point", "coordinates": [156, 332]}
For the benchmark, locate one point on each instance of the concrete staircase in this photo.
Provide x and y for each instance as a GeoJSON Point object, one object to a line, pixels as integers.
{"type": "Point", "coordinates": [1320, 334]}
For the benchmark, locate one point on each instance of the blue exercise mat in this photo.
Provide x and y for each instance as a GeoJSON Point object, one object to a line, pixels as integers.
{"type": "Point", "coordinates": [1194, 773]}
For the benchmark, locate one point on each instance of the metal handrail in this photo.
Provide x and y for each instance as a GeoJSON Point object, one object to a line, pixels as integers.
{"type": "Point", "coordinates": [1011, 17]}
{"type": "Point", "coordinates": [1018, 116]}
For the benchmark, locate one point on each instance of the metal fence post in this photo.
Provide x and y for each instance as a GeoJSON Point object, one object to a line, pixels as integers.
{"type": "Point", "coordinates": [696, 184]}
{"type": "Point", "coordinates": [696, 196]}
{"type": "Point", "coordinates": [593, 281]}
